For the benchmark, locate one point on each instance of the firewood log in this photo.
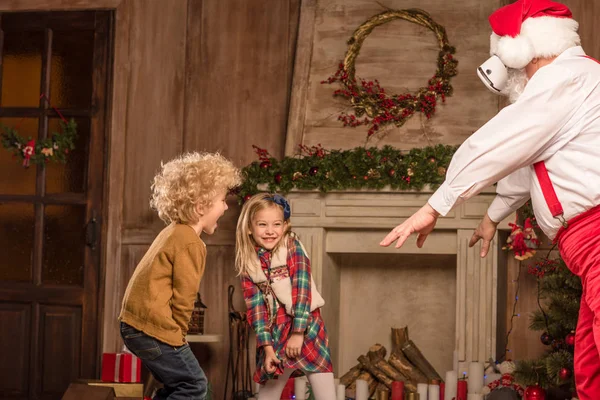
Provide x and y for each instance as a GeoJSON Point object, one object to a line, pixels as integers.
{"type": "Point", "coordinates": [350, 376]}
{"type": "Point", "coordinates": [376, 372]}
{"type": "Point", "coordinates": [401, 363]}
{"type": "Point", "coordinates": [415, 356]}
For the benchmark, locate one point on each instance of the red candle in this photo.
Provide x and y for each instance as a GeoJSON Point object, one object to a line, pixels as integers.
{"type": "Point", "coordinates": [442, 390]}
{"type": "Point", "coordinates": [461, 389]}
{"type": "Point", "coordinates": [397, 390]}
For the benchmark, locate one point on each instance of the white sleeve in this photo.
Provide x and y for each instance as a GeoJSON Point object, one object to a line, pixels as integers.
{"type": "Point", "coordinates": [514, 138]}
{"type": "Point", "coordinates": [511, 193]}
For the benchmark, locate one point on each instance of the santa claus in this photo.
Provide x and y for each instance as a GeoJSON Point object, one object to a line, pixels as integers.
{"type": "Point", "coordinates": [544, 146]}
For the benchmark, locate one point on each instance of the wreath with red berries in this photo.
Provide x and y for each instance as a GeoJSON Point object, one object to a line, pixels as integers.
{"type": "Point", "coordinates": [371, 101]}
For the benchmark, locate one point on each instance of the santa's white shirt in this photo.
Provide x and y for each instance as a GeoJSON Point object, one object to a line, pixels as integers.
{"type": "Point", "coordinates": [556, 120]}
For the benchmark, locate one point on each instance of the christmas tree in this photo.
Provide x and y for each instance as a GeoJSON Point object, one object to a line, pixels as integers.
{"type": "Point", "coordinates": [559, 293]}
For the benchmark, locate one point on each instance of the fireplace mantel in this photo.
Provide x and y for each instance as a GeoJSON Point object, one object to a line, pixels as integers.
{"type": "Point", "coordinates": [356, 221]}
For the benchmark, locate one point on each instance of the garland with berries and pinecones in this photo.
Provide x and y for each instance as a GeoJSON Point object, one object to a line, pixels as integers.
{"type": "Point", "coordinates": [368, 97]}
{"type": "Point", "coordinates": [316, 168]}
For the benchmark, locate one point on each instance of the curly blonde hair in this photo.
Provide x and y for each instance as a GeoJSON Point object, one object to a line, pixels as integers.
{"type": "Point", "coordinates": [244, 243]}
{"type": "Point", "coordinates": [188, 183]}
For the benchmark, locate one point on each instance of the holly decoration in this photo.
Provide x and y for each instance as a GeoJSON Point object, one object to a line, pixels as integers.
{"type": "Point", "coordinates": [359, 168]}
{"type": "Point", "coordinates": [565, 373]}
{"type": "Point", "coordinates": [570, 339]}
{"type": "Point", "coordinates": [546, 339]}
{"type": "Point", "coordinates": [372, 104]}
{"type": "Point", "coordinates": [534, 392]}
{"type": "Point", "coordinates": [54, 148]}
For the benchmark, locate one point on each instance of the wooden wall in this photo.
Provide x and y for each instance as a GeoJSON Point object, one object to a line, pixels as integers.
{"type": "Point", "coordinates": [216, 75]}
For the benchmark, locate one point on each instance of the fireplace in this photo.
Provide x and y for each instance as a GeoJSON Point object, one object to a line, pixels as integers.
{"type": "Point", "coordinates": [444, 292]}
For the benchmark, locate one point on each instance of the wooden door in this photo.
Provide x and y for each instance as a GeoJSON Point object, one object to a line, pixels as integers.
{"type": "Point", "coordinates": [53, 65]}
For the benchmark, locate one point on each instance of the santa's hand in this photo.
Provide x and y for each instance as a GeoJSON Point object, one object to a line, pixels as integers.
{"type": "Point", "coordinates": [421, 222]}
{"type": "Point", "coordinates": [485, 231]}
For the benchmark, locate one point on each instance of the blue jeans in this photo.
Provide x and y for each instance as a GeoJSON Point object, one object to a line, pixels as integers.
{"type": "Point", "coordinates": [175, 367]}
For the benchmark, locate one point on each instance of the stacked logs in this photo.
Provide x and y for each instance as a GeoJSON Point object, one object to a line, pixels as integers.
{"type": "Point", "coordinates": [405, 363]}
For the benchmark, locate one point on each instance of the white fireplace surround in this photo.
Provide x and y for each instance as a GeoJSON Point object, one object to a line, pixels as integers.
{"type": "Point", "coordinates": [356, 221]}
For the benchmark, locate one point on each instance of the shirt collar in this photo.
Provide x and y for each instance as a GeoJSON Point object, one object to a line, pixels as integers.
{"type": "Point", "coordinates": [571, 52]}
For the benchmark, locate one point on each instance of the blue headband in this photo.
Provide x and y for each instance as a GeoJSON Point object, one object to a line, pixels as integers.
{"type": "Point", "coordinates": [280, 200]}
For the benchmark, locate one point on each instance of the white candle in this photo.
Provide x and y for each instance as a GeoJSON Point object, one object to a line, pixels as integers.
{"type": "Point", "coordinates": [474, 396]}
{"type": "Point", "coordinates": [341, 392]}
{"type": "Point", "coordinates": [451, 379]}
{"type": "Point", "coordinates": [434, 392]}
{"type": "Point", "coordinates": [362, 390]}
{"type": "Point", "coordinates": [422, 390]}
{"type": "Point", "coordinates": [475, 377]}
{"type": "Point", "coordinates": [455, 361]}
{"type": "Point", "coordinates": [489, 378]}
{"type": "Point", "coordinates": [300, 388]}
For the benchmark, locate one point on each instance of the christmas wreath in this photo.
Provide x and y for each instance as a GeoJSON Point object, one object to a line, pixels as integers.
{"type": "Point", "coordinates": [325, 170]}
{"type": "Point", "coordinates": [55, 148]}
{"type": "Point", "coordinates": [368, 97]}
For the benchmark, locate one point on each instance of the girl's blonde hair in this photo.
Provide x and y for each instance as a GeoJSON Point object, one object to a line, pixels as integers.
{"type": "Point", "coordinates": [244, 244]}
{"type": "Point", "coordinates": [190, 182]}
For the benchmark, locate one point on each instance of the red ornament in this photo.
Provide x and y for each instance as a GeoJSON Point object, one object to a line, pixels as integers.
{"type": "Point", "coordinates": [535, 392]}
{"type": "Point", "coordinates": [278, 178]}
{"type": "Point", "coordinates": [392, 172]}
{"type": "Point", "coordinates": [265, 164]}
{"type": "Point", "coordinates": [564, 374]}
{"type": "Point", "coordinates": [313, 171]}
{"type": "Point", "coordinates": [570, 339]}
{"type": "Point", "coordinates": [247, 197]}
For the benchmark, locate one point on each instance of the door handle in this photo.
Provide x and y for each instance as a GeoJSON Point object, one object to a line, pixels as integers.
{"type": "Point", "coordinates": [91, 233]}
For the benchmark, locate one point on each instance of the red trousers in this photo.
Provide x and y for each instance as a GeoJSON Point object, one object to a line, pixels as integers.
{"type": "Point", "coordinates": [579, 246]}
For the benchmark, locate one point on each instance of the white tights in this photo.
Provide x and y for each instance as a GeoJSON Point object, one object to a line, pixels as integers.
{"type": "Point", "coordinates": [322, 384]}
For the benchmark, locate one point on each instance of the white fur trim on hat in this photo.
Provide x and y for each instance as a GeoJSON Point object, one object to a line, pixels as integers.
{"type": "Point", "coordinates": [539, 37]}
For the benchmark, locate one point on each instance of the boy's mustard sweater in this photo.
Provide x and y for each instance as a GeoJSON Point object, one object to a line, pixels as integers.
{"type": "Point", "coordinates": [160, 296]}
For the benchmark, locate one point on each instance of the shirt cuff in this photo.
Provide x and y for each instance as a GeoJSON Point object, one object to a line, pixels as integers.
{"type": "Point", "coordinates": [264, 339]}
{"type": "Point", "coordinates": [498, 210]}
{"type": "Point", "coordinates": [299, 325]}
{"type": "Point", "coordinates": [442, 200]}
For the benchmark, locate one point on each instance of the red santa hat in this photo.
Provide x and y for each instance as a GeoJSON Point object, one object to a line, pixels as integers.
{"type": "Point", "coordinates": [527, 29]}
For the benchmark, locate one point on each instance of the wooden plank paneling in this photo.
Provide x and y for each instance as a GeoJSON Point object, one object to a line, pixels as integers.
{"type": "Point", "coordinates": [14, 348]}
{"type": "Point", "coordinates": [155, 100]}
{"type": "Point", "coordinates": [60, 334]}
{"type": "Point", "coordinates": [238, 75]}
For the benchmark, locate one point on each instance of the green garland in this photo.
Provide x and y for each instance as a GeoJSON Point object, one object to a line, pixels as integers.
{"type": "Point", "coordinates": [55, 148]}
{"type": "Point", "coordinates": [360, 168]}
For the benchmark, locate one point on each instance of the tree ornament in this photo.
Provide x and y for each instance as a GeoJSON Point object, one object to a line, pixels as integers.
{"type": "Point", "coordinates": [535, 392]}
{"type": "Point", "coordinates": [265, 164]}
{"type": "Point", "coordinates": [564, 374]}
{"type": "Point", "coordinates": [522, 240]}
{"type": "Point", "coordinates": [570, 339]}
{"type": "Point", "coordinates": [441, 171]}
{"type": "Point", "coordinates": [432, 160]}
{"type": "Point", "coordinates": [557, 344]}
{"type": "Point", "coordinates": [313, 171]}
{"type": "Point", "coordinates": [392, 172]}
{"type": "Point", "coordinates": [247, 197]}
{"type": "Point", "coordinates": [297, 175]}
{"type": "Point", "coordinates": [546, 339]}
{"type": "Point", "coordinates": [277, 178]}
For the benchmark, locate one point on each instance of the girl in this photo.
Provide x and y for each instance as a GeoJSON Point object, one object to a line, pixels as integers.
{"type": "Point", "coordinates": [282, 300]}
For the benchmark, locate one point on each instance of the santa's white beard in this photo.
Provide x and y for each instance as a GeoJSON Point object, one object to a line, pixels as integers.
{"type": "Point", "coordinates": [517, 80]}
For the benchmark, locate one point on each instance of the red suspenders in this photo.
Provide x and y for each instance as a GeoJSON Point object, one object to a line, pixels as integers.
{"type": "Point", "coordinates": [546, 185]}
